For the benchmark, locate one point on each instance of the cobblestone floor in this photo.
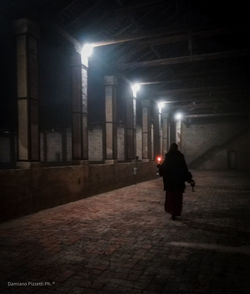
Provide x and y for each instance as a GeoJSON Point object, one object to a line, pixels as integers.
{"type": "Point", "coordinates": [123, 242]}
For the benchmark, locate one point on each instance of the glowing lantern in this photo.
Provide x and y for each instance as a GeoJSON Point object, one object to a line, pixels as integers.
{"type": "Point", "coordinates": [158, 159]}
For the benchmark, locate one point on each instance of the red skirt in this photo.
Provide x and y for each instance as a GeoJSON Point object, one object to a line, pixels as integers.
{"type": "Point", "coordinates": [173, 203]}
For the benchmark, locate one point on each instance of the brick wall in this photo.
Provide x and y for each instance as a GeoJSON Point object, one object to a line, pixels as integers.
{"type": "Point", "coordinates": [26, 191]}
{"type": "Point", "coordinates": [139, 142]}
{"type": "Point", "coordinates": [120, 143]}
{"type": "Point", "coordinates": [56, 146]}
{"type": "Point", "coordinates": [216, 143]}
{"type": "Point", "coordinates": [5, 149]}
{"type": "Point", "coordinates": [95, 137]}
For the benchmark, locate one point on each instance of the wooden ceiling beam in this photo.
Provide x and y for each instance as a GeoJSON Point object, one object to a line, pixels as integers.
{"type": "Point", "coordinates": [164, 36]}
{"type": "Point", "coordinates": [222, 114]}
{"type": "Point", "coordinates": [185, 59]}
{"type": "Point", "coordinates": [210, 90]}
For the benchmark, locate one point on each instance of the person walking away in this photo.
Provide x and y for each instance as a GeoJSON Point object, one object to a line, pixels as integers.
{"type": "Point", "coordinates": [175, 173]}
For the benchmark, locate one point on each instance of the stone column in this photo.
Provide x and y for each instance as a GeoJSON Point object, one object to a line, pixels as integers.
{"type": "Point", "coordinates": [64, 145]}
{"type": "Point", "coordinates": [172, 131]}
{"type": "Point", "coordinates": [146, 130]}
{"type": "Point", "coordinates": [110, 148]}
{"type": "Point", "coordinates": [178, 133]}
{"type": "Point", "coordinates": [152, 141]}
{"type": "Point", "coordinates": [164, 132]}
{"type": "Point", "coordinates": [79, 109]}
{"type": "Point", "coordinates": [77, 138]}
{"type": "Point", "coordinates": [84, 99]}
{"type": "Point", "coordinates": [28, 139]}
{"type": "Point", "coordinates": [160, 132]}
{"type": "Point", "coordinates": [131, 128]}
{"type": "Point", "coordinates": [134, 127]}
{"type": "Point", "coordinates": [156, 132]}
{"type": "Point", "coordinates": [169, 134]}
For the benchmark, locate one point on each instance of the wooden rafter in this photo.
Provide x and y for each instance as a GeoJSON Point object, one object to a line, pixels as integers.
{"type": "Point", "coordinates": [185, 59]}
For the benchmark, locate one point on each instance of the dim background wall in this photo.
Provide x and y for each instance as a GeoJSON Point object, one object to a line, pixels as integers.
{"type": "Point", "coordinates": [120, 143]}
{"type": "Point", "coordinates": [5, 149]}
{"type": "Point", "coordinates": [139, 142]}
{"type": "Point", "coordinates": [217, 143]}
{"type": "Point", "coordinates": [55, 80]}
{"type": "Point", "coordinates": [8, 105]}
{"type": "Point", "coordinates": [56, 145]}
{"type": "Point", "coordinates": [95, 138]}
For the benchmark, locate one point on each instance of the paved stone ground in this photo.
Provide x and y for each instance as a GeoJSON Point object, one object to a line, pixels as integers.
{"type": "Point", "coordinates": [123, 242]}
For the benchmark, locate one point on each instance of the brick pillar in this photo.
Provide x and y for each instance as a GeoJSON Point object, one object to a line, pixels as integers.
{"type": "Point", "coordinates": [146, 130]}
{"type": "Point", "coordinates": [172, 129]}
{"type": "Point", "coordinates": [64, 144]}
{"type": "Point", "coordinates": [160, 131]}
{"type": "Point", "coordinates": [79, 109]}
{"type": "Point", "coordinates": [152, 141]}
{"type": "Point", "coordinates": [76, 107]}
{"type": "Point", "coordinates": [169, 133]}
{"type": "Point", "coordinates": [84, 99]}
{"type": "Point", "coordinates": [156, 131]}
{"type": "Point", "coordinates": [134, 127]}
{"type": "Point", "coordinates": [131, 128]}
{"type": "Point", "coordinates": [110, 148]}
{"type": "Point", "coordinates": [178, 133]}
{"type": "Point", "coordinates": [165, 127]}
{"type": "Point", "coordinates": [28, 140]}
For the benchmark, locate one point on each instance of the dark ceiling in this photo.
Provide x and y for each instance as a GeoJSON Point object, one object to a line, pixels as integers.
{"type": "Point", "coordinates": [193, 53]}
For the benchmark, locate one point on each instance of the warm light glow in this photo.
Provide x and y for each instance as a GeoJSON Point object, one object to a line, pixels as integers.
{"type": "Point", "coordinates": [158, 159]}
{"type": "Point", "coordinates": [135, 88]}
{"type": "Point", "coordinates": [87, 51]}
{"type": "Point", "coordinates": [178, 116]}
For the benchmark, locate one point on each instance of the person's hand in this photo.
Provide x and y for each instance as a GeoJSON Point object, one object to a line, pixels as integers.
{"type": "Point", "coordinates": [192, 183]}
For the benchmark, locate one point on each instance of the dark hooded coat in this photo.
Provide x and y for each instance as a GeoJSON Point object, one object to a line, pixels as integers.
{"type": "Point", "coordinates": [174, 172]}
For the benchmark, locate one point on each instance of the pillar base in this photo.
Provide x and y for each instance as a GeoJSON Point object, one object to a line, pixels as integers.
{"type": "Point", "coordinates": [80, 162]}
{"type": "Point", "coordinates": [110, 161]}
{"type": "Point", "coordinates": [27, 164]}
{"type": "Point", "coordinates": [133, 160]}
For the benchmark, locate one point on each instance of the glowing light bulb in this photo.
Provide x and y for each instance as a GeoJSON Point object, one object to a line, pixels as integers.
{"type": "Point", "coordinates": [178, 116]}
{"type": "Point", "coordinates": [87, 51]}
{"type": "Point", "coordinates": [135, 88]}
{"type": "Point", "coordinates": [161, 105]}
